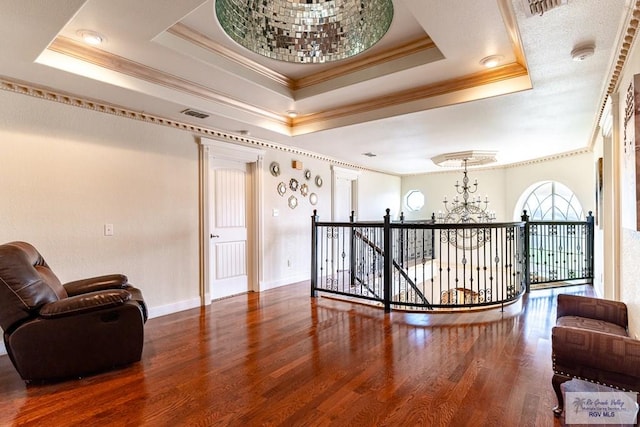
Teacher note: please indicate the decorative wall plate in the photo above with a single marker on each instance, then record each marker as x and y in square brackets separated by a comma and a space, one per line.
[307, 174]
[304, 190]
[318, 180]
[293, 184]
[313, 198]
[293, 202]
[282, 189]
[274, 168]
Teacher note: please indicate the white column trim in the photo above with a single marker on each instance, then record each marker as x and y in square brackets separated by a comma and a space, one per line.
[217, 149]
[351, 175]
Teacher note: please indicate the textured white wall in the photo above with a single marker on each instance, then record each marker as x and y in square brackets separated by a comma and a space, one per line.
[376, 193]
[287, 236]
[504, 186]
[630, 239]
[67, 171]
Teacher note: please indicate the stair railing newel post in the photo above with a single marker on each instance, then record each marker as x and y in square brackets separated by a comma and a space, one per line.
[401, 242]
[525, 252]
[352, 247]
[387, 261]
[590, 243]
[314, 253]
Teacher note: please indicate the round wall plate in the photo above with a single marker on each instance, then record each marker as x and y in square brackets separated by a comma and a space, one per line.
[293, 184]
[274, 169]
[307, 174]
[313, 198]
[304, 190]
[318, 180]
[282, 189]
[293, 202]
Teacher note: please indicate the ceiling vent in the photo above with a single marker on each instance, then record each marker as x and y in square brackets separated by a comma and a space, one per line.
[540, 7]
[195, 113]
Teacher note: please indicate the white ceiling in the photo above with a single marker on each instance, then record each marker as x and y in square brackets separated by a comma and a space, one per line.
[419, 93]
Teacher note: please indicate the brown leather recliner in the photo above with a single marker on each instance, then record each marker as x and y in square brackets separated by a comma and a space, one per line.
[54, 331]
[590, 342]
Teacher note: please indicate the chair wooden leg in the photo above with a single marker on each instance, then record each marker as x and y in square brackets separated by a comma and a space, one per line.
[556, 381]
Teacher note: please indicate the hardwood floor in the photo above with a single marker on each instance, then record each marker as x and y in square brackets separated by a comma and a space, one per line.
[283, 358]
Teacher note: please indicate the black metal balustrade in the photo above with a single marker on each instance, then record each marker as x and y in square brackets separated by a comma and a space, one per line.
[559, 251]
[445, 266]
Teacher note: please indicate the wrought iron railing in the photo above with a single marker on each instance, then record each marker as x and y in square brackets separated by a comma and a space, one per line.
[432, 266]
[559, 251]
[445, 266]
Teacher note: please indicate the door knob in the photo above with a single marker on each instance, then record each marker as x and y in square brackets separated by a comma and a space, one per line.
[214, 236]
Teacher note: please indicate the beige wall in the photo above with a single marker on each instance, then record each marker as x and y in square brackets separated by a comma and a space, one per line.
[66, 171]
[504, 186]
[630, 239]
[287, 235]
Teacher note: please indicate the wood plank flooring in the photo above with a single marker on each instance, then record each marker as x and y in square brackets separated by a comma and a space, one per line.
[283, 358]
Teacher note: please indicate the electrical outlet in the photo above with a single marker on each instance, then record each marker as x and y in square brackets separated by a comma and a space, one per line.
[108, 229]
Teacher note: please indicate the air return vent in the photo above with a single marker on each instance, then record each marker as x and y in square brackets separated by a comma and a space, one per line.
[195, 113]
[540, 7]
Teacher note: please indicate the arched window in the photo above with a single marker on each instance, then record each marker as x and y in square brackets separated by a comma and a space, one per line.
[550, 201]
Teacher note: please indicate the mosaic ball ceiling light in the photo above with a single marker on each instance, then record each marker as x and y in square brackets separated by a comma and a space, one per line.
[305, 31]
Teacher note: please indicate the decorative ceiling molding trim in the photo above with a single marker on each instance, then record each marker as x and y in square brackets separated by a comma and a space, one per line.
[493, 75]
[624, 47]
[511, 24]
[550, 158]
[363, 62]
[104, 59]
[359, 63]
[44, 93]
[197, 38]
[110, 61]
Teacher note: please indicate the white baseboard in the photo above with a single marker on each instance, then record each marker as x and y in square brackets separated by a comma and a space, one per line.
[153, 312]
[285, 281]
[175, 307]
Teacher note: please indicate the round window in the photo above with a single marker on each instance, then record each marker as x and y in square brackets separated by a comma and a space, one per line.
[414, 200]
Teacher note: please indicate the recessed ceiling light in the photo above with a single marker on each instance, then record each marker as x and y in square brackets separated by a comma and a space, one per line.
[491, 61]
[91, 37]
[292, 113]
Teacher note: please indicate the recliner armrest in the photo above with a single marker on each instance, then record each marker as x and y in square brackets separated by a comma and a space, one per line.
[91, 301]
[593, 308]
[99, 283]
[597, 350]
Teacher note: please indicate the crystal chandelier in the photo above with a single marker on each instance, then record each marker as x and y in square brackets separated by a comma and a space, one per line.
[305, 31]
[470, 208]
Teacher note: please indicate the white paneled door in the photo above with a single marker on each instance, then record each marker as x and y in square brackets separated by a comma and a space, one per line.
[228, 227]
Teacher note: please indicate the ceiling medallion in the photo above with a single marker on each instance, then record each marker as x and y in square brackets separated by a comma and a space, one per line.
[305, 31]
[465, 158]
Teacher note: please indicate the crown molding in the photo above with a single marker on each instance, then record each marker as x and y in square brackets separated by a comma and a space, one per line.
[48, 94]
[110, 61]
[494, 75]
[340, 69]
[625, 43]
[197, 38]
